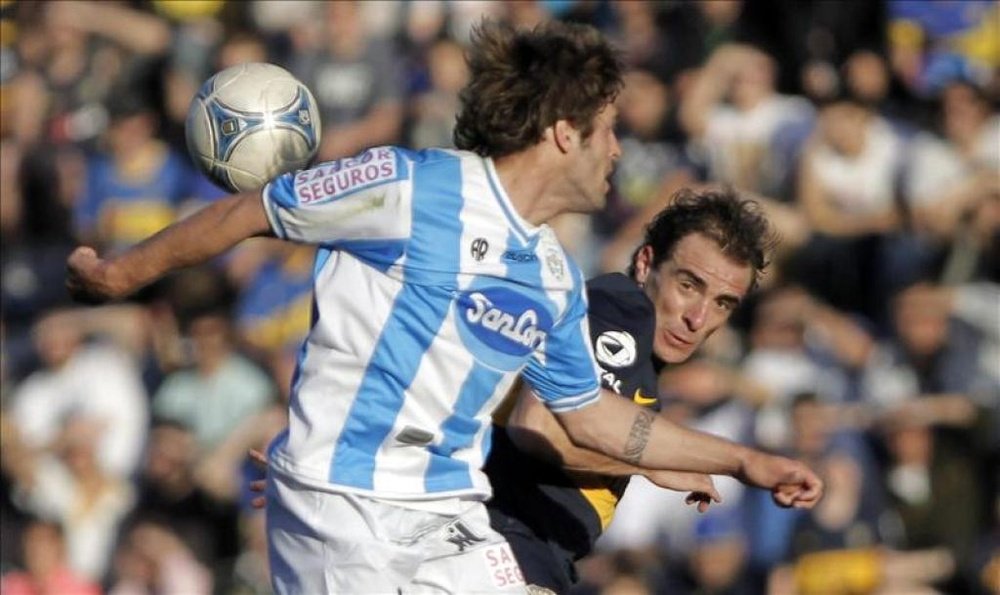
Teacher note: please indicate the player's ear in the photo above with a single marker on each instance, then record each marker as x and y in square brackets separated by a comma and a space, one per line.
[643, 264]
[563, 134]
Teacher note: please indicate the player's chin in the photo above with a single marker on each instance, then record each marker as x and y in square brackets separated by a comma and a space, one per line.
[599, 199]
[672, 354]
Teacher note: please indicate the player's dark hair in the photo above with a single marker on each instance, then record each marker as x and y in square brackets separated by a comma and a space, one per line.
[736, 224]
[523, 81]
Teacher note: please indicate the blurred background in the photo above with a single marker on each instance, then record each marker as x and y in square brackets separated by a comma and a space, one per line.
[868, 130]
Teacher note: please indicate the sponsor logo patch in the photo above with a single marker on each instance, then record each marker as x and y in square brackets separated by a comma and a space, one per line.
[462, 536]
[501, 326]
[640, 399]
[518, 256]
[335, 179]
[502, 566]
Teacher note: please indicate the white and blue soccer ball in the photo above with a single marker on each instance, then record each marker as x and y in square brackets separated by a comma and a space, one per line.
[251, 122]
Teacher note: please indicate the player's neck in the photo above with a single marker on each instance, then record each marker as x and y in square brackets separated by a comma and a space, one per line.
[533, 185]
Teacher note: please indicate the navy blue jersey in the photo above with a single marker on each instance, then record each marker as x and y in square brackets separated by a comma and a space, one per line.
[537, 504]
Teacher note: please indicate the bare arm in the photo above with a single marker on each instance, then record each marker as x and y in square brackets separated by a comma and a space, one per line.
[536, 431]
[943, 216]
[138, 31]
[639, 437]
[710, 86]
[208, 233]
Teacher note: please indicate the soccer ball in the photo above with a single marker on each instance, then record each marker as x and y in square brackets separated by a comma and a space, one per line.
[250, 123]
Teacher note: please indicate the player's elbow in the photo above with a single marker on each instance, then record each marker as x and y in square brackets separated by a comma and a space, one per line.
[584, 428]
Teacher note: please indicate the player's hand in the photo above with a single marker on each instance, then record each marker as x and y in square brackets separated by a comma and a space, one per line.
[259, 486]
[88, 277]
[701, 487]
[792, 483]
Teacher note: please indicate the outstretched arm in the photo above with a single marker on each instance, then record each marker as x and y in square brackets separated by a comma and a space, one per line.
[638, 436]
[536, 431]
[206, 234]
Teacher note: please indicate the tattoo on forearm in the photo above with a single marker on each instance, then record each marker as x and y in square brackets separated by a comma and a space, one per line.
[638, 436]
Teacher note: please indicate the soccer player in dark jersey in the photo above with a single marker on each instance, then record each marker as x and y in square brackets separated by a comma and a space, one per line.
[699, 258]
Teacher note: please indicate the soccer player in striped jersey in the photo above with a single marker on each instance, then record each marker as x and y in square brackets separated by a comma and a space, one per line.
[436, 284]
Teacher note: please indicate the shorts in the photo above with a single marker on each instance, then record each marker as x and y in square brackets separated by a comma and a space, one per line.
[325, 542]
[545, 566]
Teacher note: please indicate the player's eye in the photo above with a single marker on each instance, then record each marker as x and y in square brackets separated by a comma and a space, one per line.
[725, 305]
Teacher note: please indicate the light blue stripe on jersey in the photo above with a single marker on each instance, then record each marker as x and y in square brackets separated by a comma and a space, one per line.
[417, 315]
[445, 473]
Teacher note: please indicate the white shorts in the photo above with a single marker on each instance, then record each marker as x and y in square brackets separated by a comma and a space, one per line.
[323, 542]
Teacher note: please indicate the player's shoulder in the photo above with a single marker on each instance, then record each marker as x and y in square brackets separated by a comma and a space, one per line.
[431, 155]
[616, 302]
[615, 293]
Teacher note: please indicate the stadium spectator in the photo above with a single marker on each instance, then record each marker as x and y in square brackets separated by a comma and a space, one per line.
[80, 377]
[138, 185]
[436, 107]
[799, 345]
[221, 387]
[847, 191]
[950, 185]
[170, 491]
[735, 113]
[653, 166]
[152, 559]
[273, 309]
[357, 83]
[34, 236]
[66, 484]
[716, 562]
[933, 42]
[45, 565]
[72, 55]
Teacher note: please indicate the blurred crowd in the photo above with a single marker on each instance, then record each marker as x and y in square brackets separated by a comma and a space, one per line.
[868, 130]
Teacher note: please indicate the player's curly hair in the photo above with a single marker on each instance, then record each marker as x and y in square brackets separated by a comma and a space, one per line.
[523, 81]
[738, 225]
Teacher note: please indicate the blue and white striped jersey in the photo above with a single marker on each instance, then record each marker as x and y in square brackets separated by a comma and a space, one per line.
[430, 295]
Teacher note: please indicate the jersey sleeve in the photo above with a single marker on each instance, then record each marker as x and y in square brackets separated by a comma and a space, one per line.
[364, 198]
[562, 372]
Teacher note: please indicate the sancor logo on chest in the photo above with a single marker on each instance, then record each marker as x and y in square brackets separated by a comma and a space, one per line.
[501, 323]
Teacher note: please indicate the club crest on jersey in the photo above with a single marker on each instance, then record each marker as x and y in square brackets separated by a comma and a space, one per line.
[501, 326]
[479, 248]
[554, 260]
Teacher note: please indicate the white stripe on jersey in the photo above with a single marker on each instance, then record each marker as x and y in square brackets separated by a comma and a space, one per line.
[431, 295]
